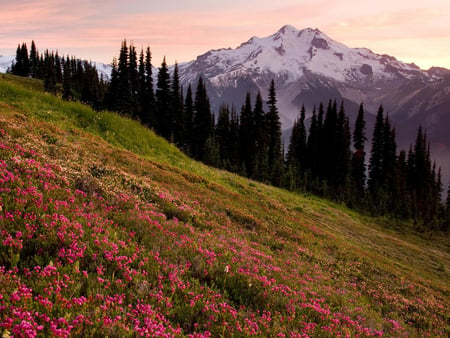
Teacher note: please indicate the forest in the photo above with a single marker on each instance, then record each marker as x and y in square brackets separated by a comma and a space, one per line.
[327, 157]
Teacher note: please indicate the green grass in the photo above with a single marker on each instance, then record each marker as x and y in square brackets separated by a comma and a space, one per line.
[358, 266]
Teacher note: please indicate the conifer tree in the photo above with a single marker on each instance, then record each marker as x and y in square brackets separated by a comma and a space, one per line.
[260, 161]
[34, 60]
[235, 161]
[446, 222]
[312, 146]
[148, 104]
[163, 101]
[188, 122]
[67, 80]
[202, 119]
[177, 132]
[358, 166]
[246, 136]
[275, 156]
[119, 93]
[343, 154]
[50, 73]
[376, 154]
[58, 68]
[296, 159]
[134, 84]
[223, 136]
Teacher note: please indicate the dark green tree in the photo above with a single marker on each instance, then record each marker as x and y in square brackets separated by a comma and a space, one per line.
[134, 83]
[246, 136]
[67, 80]
[34, 60]
[188, 144]
[376, 154]
[163, 101]
[148, 104]
[261, 142]
[50, 73]
[202, 119]
[177, 111]
[223, 136]
[275, 155]
[358, 166]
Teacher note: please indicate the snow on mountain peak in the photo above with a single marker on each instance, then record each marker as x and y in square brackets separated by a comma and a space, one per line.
[290, 53]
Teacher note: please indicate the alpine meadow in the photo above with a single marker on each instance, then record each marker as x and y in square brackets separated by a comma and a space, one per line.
[135, 205]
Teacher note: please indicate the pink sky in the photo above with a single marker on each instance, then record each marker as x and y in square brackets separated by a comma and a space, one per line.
[413, 31]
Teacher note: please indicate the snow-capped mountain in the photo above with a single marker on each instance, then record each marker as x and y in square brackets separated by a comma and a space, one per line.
[309, 67]
[5, 63]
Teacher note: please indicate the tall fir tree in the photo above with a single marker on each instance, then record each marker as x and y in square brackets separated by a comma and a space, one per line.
[343, 155]
[246, 136]
[177, 132]
[34, 60]
[202, 119]
[358, 166]
[296, 157]
[67, 80]
[148, 104]
[260, 161]
[188, 144]
[163, 101]
[50, 73]
[223, 136]
[275, 155]
[135, 89]
[376, 155]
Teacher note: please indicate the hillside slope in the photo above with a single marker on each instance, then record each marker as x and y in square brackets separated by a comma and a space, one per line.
[107, 230]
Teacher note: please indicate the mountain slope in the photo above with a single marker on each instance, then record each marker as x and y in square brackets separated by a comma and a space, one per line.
[309, 67]
[99, 240]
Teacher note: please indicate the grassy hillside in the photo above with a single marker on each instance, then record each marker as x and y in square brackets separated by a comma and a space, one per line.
[108, 230]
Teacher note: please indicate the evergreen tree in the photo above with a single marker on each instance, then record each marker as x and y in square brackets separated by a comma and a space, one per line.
[235, 162]
[58, 68]
[246, 136]
[177, 132]
[211, 152]
[275, 156]
[21, 67]
[358, 166]
[343, 154]
[67, 80]
[202, 120]
[134, 83]
[446, 222]
[163, 101]
[389, 157]
[260, 161]
[50, 73]
[188, 122]
[148, 104]
[312, 146]
[296, 161]
[119, 93]
[34, 60]
[376, 155]
[223, 136]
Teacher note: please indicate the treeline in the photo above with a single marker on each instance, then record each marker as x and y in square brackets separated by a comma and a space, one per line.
[325, 159]
[71, 77]
[329, 161]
